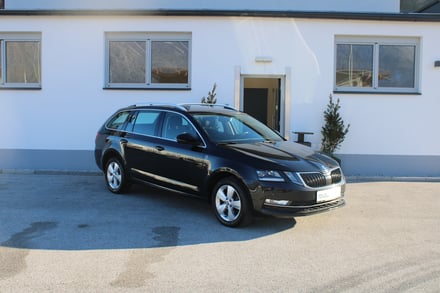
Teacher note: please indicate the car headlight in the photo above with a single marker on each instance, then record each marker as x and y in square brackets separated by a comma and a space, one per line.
[294, 177]
[269, 175]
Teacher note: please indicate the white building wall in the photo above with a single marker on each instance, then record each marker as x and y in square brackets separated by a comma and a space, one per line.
[390, 6]
[72, 104]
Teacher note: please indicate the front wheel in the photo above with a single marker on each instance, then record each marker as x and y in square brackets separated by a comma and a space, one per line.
[230, 203]
[115, 178]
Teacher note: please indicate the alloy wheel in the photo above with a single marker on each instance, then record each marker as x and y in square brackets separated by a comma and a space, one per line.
[228, 203]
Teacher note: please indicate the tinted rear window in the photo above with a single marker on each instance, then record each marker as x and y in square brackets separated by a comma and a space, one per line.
[117, 122]
[146, 122]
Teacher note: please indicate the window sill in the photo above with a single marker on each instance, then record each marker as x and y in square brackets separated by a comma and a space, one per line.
[19, 88]
[148, 88]
[376, 92]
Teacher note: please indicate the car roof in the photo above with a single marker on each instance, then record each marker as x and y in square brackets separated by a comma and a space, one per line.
[187, 107]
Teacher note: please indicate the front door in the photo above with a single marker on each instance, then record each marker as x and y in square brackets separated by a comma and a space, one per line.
[255, 103]
[180, 166]
[261, 99]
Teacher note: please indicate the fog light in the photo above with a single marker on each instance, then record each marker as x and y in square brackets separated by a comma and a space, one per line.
[277, 202]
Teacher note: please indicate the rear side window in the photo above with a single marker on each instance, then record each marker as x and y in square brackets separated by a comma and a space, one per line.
[146, 122]
[118, 121]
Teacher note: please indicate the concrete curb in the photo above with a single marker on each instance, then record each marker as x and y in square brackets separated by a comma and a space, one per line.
[359, 179]
[51, 172]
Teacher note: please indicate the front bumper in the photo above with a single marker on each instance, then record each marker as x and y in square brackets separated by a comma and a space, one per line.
[297, 211]
[302, 200]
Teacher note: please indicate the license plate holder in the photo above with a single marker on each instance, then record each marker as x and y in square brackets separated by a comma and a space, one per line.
[328, 194]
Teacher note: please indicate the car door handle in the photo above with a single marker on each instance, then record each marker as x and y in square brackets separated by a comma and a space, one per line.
[159, 148]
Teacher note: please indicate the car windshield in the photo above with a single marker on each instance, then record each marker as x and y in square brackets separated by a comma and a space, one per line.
[237, 128]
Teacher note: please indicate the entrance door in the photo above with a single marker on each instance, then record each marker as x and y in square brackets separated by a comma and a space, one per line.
[261, 99]
[255, 103]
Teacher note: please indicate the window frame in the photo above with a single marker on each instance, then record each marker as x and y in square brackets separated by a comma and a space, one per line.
[6, 37]
[376, 43]
[148, 38]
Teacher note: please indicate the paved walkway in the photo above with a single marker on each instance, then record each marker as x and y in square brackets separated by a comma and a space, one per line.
[67, 233]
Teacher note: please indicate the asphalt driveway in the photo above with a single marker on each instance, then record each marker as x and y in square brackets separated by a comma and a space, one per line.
[68, 233]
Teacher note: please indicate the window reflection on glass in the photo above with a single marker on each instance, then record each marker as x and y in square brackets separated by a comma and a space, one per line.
[127, 61]
[396, 66]
[169, 62]
[23, 62]
[354, 65]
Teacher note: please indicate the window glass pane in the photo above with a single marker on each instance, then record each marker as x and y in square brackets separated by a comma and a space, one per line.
[118, 121]
[235, 129]
[397, 66]
[23, 62]
[354, 65]
[176, 124]
[146, 122]
[127, 62]
[169, 61]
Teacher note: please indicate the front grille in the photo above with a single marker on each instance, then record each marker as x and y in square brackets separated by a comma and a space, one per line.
[317, 179]
[336, 175]
[314, 179]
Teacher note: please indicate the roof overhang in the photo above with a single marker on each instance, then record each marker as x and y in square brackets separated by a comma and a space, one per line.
[423, 17]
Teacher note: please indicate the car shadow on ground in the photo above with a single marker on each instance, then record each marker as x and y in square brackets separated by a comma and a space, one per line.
[78, 213]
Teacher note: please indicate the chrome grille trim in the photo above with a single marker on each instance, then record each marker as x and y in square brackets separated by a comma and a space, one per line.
[314, 180]
[318, 179]
[336, 175]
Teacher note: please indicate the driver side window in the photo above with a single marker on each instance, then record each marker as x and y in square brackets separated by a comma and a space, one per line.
[175, 124]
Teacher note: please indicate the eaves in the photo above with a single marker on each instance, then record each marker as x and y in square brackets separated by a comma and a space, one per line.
[422, 17]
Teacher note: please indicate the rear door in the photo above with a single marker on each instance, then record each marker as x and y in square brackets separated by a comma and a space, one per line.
[140, 144]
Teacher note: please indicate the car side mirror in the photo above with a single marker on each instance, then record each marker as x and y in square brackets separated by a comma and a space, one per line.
[186, 138]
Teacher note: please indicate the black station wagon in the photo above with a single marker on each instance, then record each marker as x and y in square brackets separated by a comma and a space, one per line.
[216, 152]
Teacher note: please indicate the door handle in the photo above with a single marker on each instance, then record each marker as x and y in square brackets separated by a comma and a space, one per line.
[159, 148]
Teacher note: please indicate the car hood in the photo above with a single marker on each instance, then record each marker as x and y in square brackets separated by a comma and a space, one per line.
[290, 155]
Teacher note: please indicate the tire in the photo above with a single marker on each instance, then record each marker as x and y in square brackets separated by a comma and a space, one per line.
[115, 177]
[230, 202]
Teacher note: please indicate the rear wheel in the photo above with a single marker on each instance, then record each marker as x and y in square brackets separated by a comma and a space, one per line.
[115, 177]
[230, 203]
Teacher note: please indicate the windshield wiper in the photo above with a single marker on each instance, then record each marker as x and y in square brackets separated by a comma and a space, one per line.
[270, 141]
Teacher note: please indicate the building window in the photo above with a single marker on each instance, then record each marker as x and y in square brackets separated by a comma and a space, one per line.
[148, 60]
[20, 60]
[2, 4]
[377, 64]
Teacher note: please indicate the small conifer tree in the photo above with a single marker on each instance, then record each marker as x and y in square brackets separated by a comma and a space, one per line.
[211, 99]
[334, 131]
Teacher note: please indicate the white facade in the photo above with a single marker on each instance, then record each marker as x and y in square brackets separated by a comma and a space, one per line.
[390, 134]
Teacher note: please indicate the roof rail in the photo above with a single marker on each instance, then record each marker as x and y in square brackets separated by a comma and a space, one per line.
[182, 106]
[158, 104]
[224, 106]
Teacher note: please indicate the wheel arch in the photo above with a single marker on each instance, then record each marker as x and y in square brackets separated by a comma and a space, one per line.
[111, 153]
[221, 174]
